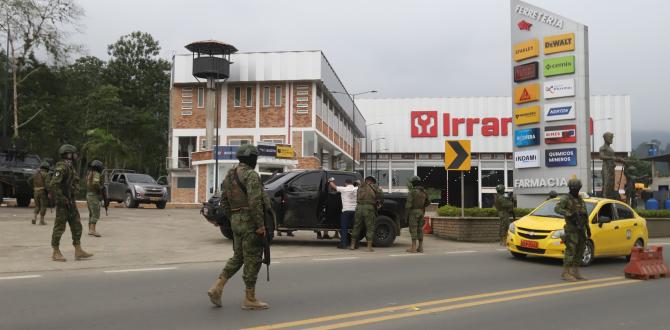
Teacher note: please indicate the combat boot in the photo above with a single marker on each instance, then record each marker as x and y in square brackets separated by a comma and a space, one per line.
[92, 231]
[567, 276]
[250, 301]
[576, 274]
[57, 256]
[369, 249]
[413, 248]
[420, 248]
[79, 253]
[42, 222]
[216, 291]
[352, 246]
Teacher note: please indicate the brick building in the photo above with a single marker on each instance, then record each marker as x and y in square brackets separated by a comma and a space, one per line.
[293, 101]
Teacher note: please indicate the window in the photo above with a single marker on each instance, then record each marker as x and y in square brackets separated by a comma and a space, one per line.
[186, 147]
[510, 178]
[277, 96]
[273, 141]
[238, 142]
[238, 96]
[201, 97]
[623, 212]
[307, 182]
[187, 92]
[249, 97]
[605, 213]
[266, 96]
[187, 182]
[492, 178]
[400, 178]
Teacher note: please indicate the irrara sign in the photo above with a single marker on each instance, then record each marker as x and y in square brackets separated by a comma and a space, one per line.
[424, 124]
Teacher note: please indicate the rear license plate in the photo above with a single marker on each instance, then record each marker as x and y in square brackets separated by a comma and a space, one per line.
[154, 199]
[529, 244]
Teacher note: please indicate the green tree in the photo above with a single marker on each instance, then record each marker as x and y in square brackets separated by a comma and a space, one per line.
[30, 27]
[105, 147]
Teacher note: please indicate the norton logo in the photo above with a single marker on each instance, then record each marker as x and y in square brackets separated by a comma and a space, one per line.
[523, 25]
[424, 123]
[525, 96]
[559, 111]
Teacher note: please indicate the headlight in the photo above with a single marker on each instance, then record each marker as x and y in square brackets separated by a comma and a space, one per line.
[512, 228]
[558, 233]
[139, 189]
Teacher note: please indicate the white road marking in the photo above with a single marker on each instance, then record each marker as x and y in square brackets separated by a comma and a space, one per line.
[19, 277]
[501, 249]
[405, 254]
[139, 270]
[459, 252]
[330, 259]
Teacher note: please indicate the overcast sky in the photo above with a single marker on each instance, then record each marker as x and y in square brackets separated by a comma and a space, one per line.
[410, 48]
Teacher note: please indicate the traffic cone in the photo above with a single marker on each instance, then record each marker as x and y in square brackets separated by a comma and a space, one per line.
[427, 229]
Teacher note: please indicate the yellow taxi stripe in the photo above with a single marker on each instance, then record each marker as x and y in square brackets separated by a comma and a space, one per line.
[466, 305]
[421, 304]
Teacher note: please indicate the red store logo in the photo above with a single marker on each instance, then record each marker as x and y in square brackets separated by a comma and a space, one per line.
[424, 123]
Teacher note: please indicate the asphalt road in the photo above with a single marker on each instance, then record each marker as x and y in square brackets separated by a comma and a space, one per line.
[484, 289]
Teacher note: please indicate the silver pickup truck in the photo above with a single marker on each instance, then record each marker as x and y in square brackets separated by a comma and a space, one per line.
[133, 189]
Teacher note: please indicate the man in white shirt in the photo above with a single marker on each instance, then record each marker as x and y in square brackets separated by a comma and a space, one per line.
[348, 194]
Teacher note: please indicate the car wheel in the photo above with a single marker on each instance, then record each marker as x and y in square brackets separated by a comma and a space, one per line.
[22, 201]
[385, 234]
[518, 255]
[588, 257]
[638, 243]
[129, 202]
[161, 205]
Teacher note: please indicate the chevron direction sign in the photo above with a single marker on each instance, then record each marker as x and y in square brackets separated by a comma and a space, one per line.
[457, 155]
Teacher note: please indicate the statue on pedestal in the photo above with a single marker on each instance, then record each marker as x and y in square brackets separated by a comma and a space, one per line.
[609, 160]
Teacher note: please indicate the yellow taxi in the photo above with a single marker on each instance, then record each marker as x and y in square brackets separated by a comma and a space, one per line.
[615, 229]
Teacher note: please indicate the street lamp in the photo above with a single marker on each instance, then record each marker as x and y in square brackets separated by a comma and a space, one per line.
[353, 119]
[593, 161]
[367, 151]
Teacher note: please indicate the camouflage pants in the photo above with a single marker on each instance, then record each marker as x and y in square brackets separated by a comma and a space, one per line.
[575, 244]
[504, 224]
[247, 250]
[93, 202]
[41, 202]
[416, 222]
[66, 214]
[365, 216]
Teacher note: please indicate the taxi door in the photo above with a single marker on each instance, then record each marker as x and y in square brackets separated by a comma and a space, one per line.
[629, 227]
[605, 230]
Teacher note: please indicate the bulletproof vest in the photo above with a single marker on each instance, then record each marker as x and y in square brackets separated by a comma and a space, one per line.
[366, 194]
[234, 193]
[38, 180]
[419, 200]
[89, 182]
[67, 181]
[578, 209]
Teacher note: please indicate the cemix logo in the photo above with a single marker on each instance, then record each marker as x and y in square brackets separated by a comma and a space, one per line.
[523, 25]
[424, 123]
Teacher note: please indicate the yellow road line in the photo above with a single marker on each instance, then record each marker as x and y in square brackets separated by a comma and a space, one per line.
[422, 304]
[466, 305]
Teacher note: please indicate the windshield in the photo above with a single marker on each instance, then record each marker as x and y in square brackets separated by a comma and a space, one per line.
[140, 178]
[8, 160]
[547, 209]
[277, 180]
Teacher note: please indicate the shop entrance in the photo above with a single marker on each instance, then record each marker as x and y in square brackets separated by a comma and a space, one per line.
[445, 188]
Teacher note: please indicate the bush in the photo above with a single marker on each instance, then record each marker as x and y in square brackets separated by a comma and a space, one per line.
[453, 211]
[654, 213]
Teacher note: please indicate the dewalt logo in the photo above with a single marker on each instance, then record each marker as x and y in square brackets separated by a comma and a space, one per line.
[559, 43]
[526, 49]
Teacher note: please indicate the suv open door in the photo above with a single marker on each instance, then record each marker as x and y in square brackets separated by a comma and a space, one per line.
[303, 206]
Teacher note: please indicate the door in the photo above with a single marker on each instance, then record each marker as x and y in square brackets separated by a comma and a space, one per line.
[113, 187]
[629, 227]
[334, 200]
[302, 204]
[605, 233]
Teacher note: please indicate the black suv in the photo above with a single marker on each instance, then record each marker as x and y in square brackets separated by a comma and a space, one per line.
[133, 188]
[302, 200]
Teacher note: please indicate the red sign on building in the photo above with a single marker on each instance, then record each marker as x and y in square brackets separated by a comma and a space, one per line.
[424, 123]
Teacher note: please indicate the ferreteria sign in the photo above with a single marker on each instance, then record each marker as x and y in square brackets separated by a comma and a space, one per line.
[550, 109]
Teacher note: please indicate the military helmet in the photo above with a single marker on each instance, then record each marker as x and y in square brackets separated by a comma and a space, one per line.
[415, 179]
[574, 184]
[553, 194]
[67, 148]
[500, 188]
[45, 165]
[371, 178]
[246, 150]
[97, 164]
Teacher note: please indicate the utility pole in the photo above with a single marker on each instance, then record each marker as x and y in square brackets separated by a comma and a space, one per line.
[5, 98]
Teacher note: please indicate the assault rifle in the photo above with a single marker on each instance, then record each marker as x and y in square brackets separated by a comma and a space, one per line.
[105, 201]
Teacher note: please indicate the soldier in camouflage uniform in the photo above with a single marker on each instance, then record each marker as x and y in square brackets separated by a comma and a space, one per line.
[94, 195]
[417, 201]
[39, 181]
[63, 186]
[368, 198]
[577, 231]
[552, 194]
[505, 206]
[242, 202]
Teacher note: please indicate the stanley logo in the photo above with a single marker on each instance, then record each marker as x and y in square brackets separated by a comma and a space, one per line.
[526, 93]
[526, 49]
[559, 43]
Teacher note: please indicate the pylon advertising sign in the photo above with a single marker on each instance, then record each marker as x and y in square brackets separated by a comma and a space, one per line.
[561, 90]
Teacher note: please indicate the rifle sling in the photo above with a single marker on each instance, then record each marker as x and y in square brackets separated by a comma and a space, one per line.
[239, 182]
